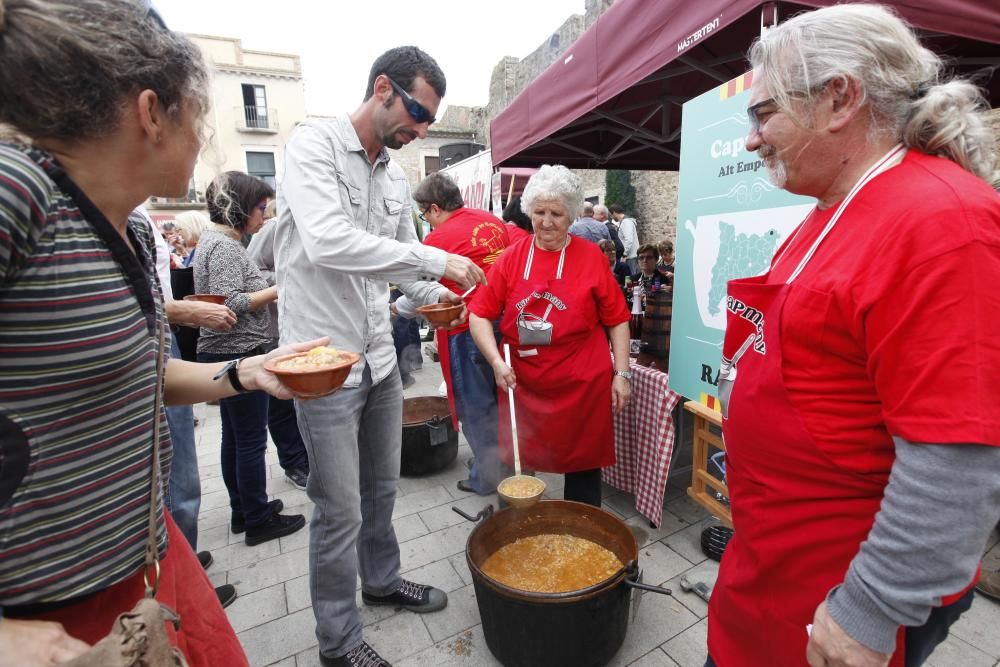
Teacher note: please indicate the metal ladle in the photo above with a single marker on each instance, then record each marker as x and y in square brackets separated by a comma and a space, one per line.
[517, 501]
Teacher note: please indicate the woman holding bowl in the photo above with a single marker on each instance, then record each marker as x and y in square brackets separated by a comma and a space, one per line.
[107, 107]
[236, 204]
[559, 306]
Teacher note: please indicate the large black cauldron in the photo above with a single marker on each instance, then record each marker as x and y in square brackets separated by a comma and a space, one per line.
[582, 628]
[430, 443]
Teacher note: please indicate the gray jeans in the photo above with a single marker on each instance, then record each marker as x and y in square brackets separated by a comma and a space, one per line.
[353, 439]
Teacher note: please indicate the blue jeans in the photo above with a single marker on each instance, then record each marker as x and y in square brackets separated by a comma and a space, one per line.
[353, 438]
[476, 401]
[183, 489]
[244, 441]
[284, 429]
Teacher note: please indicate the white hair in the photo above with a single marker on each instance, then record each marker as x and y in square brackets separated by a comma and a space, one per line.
[554, 182]
[601, 208]
[901, 81]
[192, 224]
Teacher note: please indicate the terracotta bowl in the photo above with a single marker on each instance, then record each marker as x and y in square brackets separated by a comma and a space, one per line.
[440, 314]
[313, 382]
[210, 298]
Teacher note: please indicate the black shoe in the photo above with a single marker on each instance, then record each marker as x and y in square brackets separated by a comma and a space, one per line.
[463, 485]
[226, 593]
[277, 526]
[415, 597]
[362, 656]
[205, 558]
[238, 524]
[298, 477]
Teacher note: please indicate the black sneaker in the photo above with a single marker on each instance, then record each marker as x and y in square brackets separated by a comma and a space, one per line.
[415, 597]
[362, 656]
[277, 526]
[205, 558]
[298, 477]
[238, 524]
[226, 593]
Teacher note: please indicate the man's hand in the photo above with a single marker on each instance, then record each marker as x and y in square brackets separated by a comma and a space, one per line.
[830, 646]
[449, 297]
[36, 644]
[463, 271]
[253, 367]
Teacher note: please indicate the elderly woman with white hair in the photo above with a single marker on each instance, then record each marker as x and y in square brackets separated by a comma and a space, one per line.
[559, 306]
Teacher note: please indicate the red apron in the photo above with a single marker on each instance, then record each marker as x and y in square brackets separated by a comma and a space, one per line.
[563, 393]
[444, 358]
[799, 518]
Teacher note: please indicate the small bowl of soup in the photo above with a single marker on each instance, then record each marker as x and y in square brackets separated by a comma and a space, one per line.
[208, 298]
[521, 490]
[441, 314]
[318, 372]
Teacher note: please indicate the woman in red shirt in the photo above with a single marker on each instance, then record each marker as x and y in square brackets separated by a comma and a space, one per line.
[558, 330]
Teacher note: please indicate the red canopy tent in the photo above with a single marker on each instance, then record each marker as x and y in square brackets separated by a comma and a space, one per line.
[613, 99]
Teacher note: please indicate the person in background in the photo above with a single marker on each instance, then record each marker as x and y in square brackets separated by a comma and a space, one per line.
[585, 227]
[172, 235]
[482, 237]
[628, 232]
[648, 275]
[619, 269]
[191, 225]
[236, 203]
[518, 223]
[602, 215]
[859, 404]
[557, 328]
[112, 105]
[282, 423]
[182, 488]
[327, 246]
[666, 263]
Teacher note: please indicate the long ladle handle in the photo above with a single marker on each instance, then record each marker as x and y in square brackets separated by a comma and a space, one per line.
[513, 420]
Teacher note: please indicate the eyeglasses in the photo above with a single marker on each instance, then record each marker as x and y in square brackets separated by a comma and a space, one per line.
[417, 111]
[262, 206]
[423, 214]
[753, 113]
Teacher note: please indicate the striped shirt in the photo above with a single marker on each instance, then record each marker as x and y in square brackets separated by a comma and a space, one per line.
[78, 317]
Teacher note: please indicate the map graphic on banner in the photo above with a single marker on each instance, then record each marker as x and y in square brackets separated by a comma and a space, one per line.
[731, 220]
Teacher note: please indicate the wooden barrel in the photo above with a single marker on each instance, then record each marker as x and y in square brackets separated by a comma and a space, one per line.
[656, 323]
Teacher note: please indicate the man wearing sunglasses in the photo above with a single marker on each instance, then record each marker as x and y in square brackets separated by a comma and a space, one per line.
[344, 232]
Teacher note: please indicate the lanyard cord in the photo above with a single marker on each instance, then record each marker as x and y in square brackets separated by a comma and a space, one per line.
[884, 163]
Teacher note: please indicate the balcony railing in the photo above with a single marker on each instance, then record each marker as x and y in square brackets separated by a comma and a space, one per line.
[256, 119]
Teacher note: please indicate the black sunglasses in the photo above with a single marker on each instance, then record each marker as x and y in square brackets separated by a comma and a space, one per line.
[416, 110]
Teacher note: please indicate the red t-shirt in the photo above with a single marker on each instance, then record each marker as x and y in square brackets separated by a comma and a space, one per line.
[473, 233]
[893, 327]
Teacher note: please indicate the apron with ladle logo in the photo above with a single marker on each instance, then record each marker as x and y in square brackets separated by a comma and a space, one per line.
[560, 355]
[799, 517]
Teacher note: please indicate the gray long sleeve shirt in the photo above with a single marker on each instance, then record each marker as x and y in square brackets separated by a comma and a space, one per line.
[344, 232]
[941, 503]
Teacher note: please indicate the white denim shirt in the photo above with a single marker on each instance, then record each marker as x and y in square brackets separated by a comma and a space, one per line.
[344, 231]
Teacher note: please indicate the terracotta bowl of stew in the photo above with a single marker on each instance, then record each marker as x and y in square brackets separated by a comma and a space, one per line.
[209, 298]
[440, 314]
[312, 380]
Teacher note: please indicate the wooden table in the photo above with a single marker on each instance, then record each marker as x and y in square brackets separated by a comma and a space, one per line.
[703, 483]
[644, 441]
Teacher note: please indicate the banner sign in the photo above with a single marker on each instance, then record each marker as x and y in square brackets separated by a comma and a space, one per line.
[474, 176]
[730, 221]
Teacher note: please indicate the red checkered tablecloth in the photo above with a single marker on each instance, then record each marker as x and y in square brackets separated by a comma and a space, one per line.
[644, 442]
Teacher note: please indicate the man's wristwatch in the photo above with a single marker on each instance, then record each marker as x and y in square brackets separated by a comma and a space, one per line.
[624, 374]
[232, 371]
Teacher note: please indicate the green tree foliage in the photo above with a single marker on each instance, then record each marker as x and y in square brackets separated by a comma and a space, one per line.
[618, 185]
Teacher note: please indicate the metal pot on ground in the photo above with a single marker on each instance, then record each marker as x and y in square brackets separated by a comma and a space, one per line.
[583, 628]
[430, 442]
